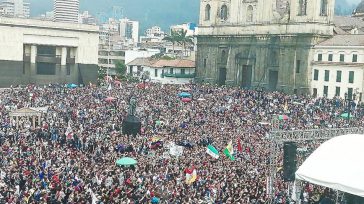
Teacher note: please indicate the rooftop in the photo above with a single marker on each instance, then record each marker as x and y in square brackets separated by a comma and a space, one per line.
[182, 63]
[348, 21]
[36, 23]
[176, 63]
[344, 40]
[141, 61]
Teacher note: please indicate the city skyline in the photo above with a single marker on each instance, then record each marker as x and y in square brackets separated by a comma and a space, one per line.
[155, 12]
[150, 14]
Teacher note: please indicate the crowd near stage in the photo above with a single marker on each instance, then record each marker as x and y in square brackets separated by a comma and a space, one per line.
[126, 143]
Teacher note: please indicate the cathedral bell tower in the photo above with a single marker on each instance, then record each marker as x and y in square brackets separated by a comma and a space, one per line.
[312, 11]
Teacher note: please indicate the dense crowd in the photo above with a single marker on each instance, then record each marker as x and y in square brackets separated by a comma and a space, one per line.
[70, 157]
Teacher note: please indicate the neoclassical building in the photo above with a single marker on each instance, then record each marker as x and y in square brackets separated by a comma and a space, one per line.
[44, 52]
[252, 43]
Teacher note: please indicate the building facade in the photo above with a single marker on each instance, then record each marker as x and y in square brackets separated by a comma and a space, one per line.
[43, 52]
[108, 57]
[177, 71]
[338, 67]
[255, 43]
[129, 30]
[86, 18]
[189, 28]
[154, 31]
[66, 11]
[153, 34]
[15, 8]
[109, 31]
[132, 54]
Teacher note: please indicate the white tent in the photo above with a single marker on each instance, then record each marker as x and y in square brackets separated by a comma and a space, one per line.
[337, 164]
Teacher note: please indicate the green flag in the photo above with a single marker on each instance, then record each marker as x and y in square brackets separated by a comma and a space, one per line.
[229, 151]
[212, 151]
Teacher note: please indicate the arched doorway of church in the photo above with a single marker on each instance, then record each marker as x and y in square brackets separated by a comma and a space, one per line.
[222, 76]
[245, 70]
[273, 80]
[246, 74]
[222, 68]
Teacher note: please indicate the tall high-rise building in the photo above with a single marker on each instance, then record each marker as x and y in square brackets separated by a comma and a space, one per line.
[15, 8]
[86, 18]
[66, 10]
[129, 30]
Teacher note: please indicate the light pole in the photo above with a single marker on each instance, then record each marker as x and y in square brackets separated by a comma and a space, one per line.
[270, 99]
[349, 100]
[108, 55]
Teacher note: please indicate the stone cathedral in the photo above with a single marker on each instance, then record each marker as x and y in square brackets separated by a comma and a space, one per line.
[261, 43]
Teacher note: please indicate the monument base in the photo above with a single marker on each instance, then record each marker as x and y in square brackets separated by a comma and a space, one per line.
[131, 125]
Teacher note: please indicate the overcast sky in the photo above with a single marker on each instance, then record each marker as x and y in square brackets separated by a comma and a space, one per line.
[353, 1]
[148, 12]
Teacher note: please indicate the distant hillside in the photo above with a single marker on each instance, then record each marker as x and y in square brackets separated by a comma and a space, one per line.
[155, 12]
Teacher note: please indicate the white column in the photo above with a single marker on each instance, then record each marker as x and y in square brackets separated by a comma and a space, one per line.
[64, 56]
[33, 121]
[33, 53]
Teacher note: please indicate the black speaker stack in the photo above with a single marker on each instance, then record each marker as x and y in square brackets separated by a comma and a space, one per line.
[131, 125]
[289, 161]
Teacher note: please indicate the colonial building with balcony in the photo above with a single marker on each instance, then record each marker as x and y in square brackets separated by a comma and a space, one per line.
[177, 71]
[43, 52]
[338, 67]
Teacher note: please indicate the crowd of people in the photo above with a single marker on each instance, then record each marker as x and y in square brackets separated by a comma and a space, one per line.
[69, 157]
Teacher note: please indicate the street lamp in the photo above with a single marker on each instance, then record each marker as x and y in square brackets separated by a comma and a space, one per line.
[259, 90]
[349, 100]
[270, 99]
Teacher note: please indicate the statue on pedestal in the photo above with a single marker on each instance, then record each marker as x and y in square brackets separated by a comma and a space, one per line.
[132, 106]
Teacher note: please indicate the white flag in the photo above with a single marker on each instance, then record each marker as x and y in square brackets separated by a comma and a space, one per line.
[176, 150]
[294, 191]
[2, 174]
[109, 88]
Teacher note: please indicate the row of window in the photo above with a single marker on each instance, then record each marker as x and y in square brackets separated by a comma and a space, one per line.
[302, 10]
[337, 91]
[342, 57]
[338, 76]
[224, 13]
[183, 71]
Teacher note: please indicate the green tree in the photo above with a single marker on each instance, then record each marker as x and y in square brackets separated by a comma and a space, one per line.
[120, 68]
[173, 38]
[102, 73]
[184, 40]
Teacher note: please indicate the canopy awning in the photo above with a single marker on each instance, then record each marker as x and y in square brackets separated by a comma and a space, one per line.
[337, 164]
[25, 112]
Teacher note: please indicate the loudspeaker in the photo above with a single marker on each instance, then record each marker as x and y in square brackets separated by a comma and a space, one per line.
[289, 161]
[131, 125]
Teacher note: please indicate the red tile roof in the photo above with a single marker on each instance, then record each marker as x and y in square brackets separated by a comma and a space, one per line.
[140, 61]
[344, 40]
[177, 63]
